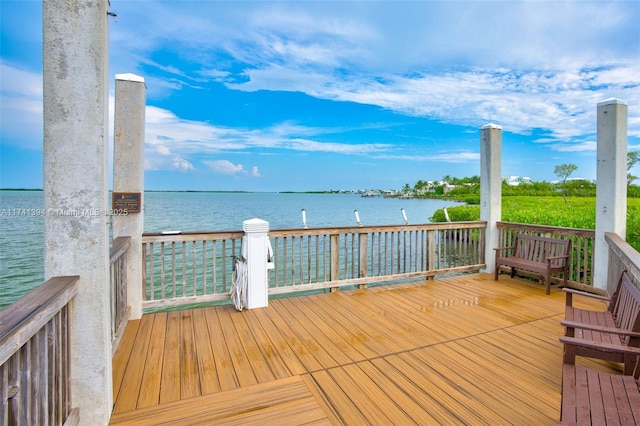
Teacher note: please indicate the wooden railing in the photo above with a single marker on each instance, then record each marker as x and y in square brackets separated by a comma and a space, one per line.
[581, 259]
[621, 257]
[35, 358]
[190, 267]
[118, 279]
[197, 267]
[310, 259]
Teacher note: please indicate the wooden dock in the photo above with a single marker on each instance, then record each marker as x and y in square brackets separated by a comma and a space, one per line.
[455, 350]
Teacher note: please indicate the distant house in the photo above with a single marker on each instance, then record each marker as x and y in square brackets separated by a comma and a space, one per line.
[517, 180]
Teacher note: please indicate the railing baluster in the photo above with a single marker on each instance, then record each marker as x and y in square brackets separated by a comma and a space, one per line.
[308, 238]
[144, 271]
[214, 268]
[173, 268]
[300, 261]
[152, 288]
[162, 271]
[224, 265]
[204, 267]
[276, 265]
[194, 266]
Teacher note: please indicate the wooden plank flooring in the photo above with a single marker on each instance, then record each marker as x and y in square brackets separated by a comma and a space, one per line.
[456, 350]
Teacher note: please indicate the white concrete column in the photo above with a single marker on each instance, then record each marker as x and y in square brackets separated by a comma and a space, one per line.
[491, 188]
[75, 98]
[128, 176]
[611, 183]
[255, 244]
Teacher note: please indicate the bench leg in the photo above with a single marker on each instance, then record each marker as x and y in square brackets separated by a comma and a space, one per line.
[630, 364]
[569, 354]
[547, 282]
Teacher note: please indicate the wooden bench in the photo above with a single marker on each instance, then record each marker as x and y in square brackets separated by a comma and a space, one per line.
[537, 254]
[619, 325]
[593, 397]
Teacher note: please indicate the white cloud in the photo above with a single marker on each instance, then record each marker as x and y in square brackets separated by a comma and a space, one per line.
[588, 146]
[20, 106]
[168, 134]
[525, 65]
[181, 164]
[225, 167]
[443, 157]
[255, 172]
[561, 101]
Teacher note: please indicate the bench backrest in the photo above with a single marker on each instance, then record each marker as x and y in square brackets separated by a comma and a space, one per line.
[537, 249]
[626, 307]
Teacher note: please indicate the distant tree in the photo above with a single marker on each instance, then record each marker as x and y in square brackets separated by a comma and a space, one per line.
[406, 188]
[563, 171]
[633, 157]
[474, 180]
[420, 185]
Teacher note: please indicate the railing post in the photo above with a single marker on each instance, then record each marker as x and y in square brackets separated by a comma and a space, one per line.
[128, 177]
[491, 188]
[431, 253]
[335, 258]
[611, 191]
[363, 241]
[254, 248]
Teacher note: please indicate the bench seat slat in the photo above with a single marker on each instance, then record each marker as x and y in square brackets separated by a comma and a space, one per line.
[631, 385]
[594, 397]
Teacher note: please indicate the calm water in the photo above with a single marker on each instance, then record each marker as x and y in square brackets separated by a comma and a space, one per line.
[22, 239]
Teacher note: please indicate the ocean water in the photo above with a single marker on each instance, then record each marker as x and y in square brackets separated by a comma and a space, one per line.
[22, 221]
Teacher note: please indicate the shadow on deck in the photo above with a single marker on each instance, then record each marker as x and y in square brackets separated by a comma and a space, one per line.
[453, 350]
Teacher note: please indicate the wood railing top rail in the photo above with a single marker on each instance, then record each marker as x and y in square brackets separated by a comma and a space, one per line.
[372, 228]
[158, 237]
[118, 247]
[629, 255]
[546, 228]
[207, 235]
[21, 320]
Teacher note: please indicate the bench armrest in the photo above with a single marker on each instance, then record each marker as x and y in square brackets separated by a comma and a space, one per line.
[605, 347]
[503, 248]
[564, 256]
[584, 293]
[599, 328]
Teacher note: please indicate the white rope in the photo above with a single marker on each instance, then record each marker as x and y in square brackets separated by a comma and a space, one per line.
[240, 284]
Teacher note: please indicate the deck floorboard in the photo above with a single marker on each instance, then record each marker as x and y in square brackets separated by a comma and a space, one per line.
[455, 350]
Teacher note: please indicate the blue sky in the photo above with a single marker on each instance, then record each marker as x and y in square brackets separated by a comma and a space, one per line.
[315, 95]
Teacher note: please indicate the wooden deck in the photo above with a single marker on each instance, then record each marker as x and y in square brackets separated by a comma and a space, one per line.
[457, 350]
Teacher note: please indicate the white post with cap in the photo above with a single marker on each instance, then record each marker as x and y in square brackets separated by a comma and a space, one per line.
[255, 249]
[128, 176]
[491, 188]
[611, 183]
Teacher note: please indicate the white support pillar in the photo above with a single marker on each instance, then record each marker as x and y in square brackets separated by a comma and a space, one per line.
[128, 177]
[75, 100]
[611, 183]
[255, 243]
[491, 188]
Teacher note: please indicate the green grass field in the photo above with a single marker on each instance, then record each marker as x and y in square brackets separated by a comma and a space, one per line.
[577, 212]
